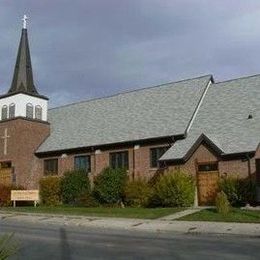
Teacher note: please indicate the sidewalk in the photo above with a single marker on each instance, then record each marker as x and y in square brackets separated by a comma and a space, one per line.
[159, 225]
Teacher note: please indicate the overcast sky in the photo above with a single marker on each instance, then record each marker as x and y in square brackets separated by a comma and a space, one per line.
[92, 48]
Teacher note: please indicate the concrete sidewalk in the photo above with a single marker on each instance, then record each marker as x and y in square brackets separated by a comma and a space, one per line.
[158, 225]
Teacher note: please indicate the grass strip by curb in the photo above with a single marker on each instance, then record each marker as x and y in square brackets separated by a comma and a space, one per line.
[235, 215]
[141, 213]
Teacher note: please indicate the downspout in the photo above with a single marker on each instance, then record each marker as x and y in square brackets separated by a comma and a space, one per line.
[133, 174]
[249, 166]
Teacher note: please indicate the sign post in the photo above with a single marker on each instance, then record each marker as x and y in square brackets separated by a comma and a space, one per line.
[25, 195]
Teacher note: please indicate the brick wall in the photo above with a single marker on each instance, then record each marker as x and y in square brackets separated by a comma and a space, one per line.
[203, 154]
[139, 162]
[25, 136]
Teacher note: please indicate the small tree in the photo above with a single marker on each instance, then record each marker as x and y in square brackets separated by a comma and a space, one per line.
[50, 190]
[74, 184]
[222, 203]
[176, 189]
[109, 185]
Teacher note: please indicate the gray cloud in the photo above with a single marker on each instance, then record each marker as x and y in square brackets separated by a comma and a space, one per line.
[83, 49]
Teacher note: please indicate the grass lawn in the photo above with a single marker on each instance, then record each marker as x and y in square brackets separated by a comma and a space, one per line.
[235, 215]
[144, 213]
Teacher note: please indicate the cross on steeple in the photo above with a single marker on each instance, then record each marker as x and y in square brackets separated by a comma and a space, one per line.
[25, 18]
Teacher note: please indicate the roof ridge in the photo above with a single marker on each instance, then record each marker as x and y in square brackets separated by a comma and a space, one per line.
[234, 79]
[130, 91]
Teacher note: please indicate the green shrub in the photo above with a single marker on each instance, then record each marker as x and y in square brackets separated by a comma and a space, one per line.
[50, 190]
[5, 194]
[222, 203]
[137, 193]
[176, 189]
[238, 191]
[109, 185]
[248, 191]
[74, 184]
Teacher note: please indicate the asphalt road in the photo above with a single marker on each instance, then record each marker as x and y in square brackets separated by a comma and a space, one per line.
[63, 242]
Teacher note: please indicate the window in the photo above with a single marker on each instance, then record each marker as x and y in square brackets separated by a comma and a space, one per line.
[119, 160]
[208, 167]
[155, 154]
[82, 163]
[38, 112]
[51, 167]
[4, 112]
[12, 110]
[29, 110]
[257, 164]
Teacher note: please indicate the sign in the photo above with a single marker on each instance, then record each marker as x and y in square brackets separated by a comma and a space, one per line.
[25, 195]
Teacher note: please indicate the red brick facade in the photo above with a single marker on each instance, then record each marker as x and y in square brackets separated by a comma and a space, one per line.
[225, 167]
[24, 137]
[139, 161]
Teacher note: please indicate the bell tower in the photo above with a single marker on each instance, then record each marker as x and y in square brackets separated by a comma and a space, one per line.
[23, 99]
[23, 122]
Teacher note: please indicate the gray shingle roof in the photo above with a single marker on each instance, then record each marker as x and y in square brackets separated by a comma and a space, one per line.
[223, 118]
[154, 112]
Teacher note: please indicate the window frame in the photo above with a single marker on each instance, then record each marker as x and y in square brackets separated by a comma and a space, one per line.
[88, 164]
[209, 164]
[116, 156]
[50, 173]
[158, 155]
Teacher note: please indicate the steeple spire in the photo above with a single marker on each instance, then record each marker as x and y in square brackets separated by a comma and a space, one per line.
[23, 75]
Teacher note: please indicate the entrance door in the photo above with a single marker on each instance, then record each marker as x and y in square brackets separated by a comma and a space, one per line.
[5, 173]
[207, 181]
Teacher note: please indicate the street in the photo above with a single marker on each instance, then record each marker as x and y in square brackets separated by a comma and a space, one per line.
[64, 242]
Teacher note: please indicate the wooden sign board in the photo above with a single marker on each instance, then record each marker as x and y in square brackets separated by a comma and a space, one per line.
[25, 195]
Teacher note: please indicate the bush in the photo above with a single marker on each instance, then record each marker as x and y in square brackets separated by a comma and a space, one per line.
[50, 190]
[176, 189]
[87, 200]
[109, 185]
[248, 191]
[5, 194]
[222, 203]
[137, 193]
[74, 184]
[238, 191]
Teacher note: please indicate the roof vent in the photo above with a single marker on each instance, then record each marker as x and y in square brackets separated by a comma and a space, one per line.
[250, 116]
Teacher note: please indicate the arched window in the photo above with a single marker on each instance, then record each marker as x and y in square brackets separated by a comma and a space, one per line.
[12, 110]
[38, 112]
[4, 112]
[29, 110]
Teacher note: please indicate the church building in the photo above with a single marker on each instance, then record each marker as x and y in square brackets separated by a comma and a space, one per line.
[206, 128]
